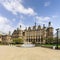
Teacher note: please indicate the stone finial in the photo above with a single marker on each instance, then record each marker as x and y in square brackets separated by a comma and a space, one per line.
[35, 23]
[49, 24]
[20, 26]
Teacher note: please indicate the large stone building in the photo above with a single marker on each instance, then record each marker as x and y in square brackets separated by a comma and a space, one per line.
[35, 34]
[0, 38]
[5, 38]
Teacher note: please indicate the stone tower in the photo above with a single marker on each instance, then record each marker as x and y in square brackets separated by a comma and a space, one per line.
[49, 33]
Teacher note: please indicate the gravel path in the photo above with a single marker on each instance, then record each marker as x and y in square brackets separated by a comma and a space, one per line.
[35, 53]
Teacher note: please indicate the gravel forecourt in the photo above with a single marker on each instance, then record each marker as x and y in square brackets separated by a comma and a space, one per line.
[34, 53]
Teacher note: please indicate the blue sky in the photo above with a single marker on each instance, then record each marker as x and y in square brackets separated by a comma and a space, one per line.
[14, 13]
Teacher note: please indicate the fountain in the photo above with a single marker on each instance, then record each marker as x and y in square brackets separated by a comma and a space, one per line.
[27, 44]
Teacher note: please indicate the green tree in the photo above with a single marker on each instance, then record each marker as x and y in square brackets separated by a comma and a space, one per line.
[49, 40]
[55, 40]
[17, 40]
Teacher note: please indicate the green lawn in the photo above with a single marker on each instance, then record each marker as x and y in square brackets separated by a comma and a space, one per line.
[47, 45]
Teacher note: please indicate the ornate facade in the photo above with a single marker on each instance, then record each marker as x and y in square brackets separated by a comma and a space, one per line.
[36, 34]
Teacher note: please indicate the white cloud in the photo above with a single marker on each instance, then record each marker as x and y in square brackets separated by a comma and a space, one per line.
[54, 16]
[42, 18]
[47, 4]
[15, 6]
[5, 25]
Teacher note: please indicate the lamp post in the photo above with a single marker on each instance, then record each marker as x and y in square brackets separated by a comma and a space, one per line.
[57, 38]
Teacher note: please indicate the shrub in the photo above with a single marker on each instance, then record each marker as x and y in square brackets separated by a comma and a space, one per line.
[17, 40]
